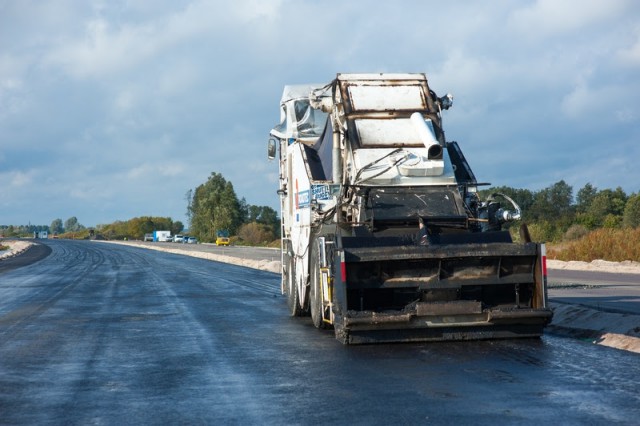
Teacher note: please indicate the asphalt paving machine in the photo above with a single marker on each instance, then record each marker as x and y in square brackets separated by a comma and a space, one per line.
[384, 235]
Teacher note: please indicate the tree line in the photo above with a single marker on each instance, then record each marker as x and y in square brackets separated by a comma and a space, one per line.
[211, 207]
[552, 213]
[56, 228]
[138, 226]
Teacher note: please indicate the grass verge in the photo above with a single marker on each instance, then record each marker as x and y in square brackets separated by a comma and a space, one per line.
[615, 245]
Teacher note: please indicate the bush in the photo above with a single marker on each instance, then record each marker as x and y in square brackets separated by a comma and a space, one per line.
[575, 232]
[78, 235]
[545, 231]
[255, 233]
[612, 221]
[275, 243]
[615, 245]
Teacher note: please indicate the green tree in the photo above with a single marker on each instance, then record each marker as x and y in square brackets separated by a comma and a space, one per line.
[189, 198]
[585, 197]
[214, 206]
[619, 201]
[56, 226]
[554, 203]
[265, 215]
[244, 210]
[72, 225]
[177, 227]
[607, 204]
[138, 226]
[631, 216]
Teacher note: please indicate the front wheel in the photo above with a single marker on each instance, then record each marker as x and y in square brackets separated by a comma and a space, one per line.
[315, 289]
[292, 290]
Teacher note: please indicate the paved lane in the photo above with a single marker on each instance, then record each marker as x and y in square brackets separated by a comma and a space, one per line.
[600, 290]
[109, 334]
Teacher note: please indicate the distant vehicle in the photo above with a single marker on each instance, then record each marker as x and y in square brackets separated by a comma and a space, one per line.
[222, 238]
[191, 240]
[178, 238]
[162, 236]
[148, 237]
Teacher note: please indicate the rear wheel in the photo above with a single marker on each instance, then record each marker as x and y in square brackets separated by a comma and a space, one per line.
[315, 289]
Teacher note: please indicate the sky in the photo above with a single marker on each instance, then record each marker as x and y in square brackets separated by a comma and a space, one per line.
[114, 109]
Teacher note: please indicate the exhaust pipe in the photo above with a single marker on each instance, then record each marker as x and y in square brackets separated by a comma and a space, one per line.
[434, 150]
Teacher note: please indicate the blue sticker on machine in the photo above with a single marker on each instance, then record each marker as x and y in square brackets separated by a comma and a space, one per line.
[304, 199]
[321, 192]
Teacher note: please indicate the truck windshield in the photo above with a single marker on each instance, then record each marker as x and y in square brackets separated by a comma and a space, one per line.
[310, 122]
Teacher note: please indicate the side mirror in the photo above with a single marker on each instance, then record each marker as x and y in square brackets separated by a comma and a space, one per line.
[271, 148]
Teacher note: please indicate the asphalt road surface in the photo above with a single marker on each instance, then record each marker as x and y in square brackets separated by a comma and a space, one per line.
[600, 290]
[108, 334]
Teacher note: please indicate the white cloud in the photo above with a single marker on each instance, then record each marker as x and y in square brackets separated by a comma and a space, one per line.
[579, 101]
[19, 179]
[250, 10]
[608, 102]
[546, 18]
[178, 79]
[84, 193]
[173, 169]
[104, 50]
[631, 55]
[124, 101]
[146, 171]
[12, 87]
[627, 115]
[143, 170]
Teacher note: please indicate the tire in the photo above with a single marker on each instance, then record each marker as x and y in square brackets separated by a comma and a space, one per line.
[315, 296]
[293, 301]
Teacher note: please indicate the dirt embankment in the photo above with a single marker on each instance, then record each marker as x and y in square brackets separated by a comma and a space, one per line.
[626, 267]
[616, 330]
[15, 247]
